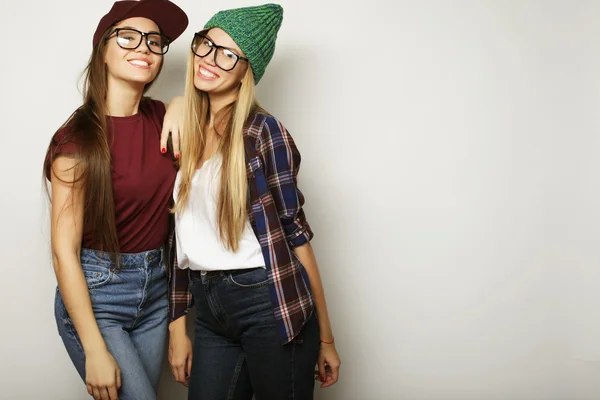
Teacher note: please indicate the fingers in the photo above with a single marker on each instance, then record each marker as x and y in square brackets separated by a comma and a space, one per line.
[322, 372]
[118, 379]
[178, 370]
[164, 138]
[175, 139]
[180, 375]
[104, 393]
[112, 393]
[333, 371]
[189, 369]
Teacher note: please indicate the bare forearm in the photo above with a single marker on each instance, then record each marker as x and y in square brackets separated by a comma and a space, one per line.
[67, 228]
[307, 257]
[178, 327]
[76, 297]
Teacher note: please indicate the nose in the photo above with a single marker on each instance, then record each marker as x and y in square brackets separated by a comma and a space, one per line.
[210, 58]
[143, 47]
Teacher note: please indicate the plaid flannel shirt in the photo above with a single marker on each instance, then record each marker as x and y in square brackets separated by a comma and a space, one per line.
[277, 218]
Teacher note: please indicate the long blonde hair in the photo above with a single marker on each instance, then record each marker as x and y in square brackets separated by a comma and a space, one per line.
[233, 196]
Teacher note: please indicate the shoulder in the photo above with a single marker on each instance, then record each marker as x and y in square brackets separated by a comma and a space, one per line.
[67, 138]
[65, 142]
[267, 128]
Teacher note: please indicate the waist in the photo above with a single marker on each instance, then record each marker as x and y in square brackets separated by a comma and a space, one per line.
[194, 273]
[149, 258]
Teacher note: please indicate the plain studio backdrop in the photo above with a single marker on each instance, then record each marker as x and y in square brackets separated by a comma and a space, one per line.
[451, 174]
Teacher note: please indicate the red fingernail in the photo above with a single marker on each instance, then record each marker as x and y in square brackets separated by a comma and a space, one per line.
[323, 380]
[176, 155]
[163, 150]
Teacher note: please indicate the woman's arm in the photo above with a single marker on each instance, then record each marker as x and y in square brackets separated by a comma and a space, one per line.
[180, 301]
[281, 160]
[180, 351]
[172, 126]
[329, 360]
[102, 372]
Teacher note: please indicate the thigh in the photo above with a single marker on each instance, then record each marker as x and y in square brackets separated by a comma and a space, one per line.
[284, 371]
[69, 336]
[149, 335]
[135, 384]
[134, 380]
[219, 369]
[277, 371]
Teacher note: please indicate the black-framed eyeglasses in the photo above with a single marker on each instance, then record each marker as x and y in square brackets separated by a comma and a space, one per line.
[225, 58]
[130, 39]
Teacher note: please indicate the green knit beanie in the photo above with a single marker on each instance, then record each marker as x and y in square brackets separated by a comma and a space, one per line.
[254, 30]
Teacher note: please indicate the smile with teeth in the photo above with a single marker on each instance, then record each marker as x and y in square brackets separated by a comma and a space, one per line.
[139, 63]
[206, 73]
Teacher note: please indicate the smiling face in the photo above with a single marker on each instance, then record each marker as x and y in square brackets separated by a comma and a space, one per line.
[208, 77]
[138, 65]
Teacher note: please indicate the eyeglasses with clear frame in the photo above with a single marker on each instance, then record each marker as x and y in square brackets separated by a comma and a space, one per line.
[224, 58]
[130, 39]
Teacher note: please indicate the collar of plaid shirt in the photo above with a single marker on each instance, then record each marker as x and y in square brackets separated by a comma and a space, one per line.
[277, 218]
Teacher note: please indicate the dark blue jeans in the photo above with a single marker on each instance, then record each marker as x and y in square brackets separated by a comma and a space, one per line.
[237, 349]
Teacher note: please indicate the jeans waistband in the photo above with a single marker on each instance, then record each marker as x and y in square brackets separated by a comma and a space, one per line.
[147, 258]
[217, 273]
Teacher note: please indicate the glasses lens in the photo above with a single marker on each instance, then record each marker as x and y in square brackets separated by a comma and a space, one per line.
[128, 39]
[201, 46]
[226, 59]
[158, 44]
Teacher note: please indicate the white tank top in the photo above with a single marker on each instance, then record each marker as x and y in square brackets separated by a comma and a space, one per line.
[199, 245]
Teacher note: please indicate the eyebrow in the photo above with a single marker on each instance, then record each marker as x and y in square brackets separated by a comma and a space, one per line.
[136, 29]
[225, 47]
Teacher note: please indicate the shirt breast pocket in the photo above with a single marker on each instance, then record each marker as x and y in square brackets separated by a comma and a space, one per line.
[256, 176]
[253, 166]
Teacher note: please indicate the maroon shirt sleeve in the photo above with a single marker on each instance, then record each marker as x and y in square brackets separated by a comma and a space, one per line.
[62, 143]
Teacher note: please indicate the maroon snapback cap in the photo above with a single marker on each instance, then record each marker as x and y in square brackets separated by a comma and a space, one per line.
[171, 19]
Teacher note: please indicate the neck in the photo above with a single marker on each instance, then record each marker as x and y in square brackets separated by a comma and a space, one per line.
[123, 98]
[218, 101]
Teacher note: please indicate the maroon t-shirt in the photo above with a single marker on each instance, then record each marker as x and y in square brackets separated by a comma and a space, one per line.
[142, 177]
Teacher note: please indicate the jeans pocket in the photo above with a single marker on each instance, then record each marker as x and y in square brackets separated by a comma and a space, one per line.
[253, 278]
[96, 275]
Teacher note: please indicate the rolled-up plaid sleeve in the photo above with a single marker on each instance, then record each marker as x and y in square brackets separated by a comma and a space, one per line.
[281, 160]
[180, 297]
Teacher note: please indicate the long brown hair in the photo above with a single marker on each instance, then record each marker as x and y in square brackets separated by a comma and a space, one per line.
[87, 128]
[232, 204]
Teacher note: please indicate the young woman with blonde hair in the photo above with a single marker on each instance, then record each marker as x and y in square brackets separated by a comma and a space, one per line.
[242, 238]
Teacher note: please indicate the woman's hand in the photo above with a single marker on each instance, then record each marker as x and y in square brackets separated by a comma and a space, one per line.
[173, 126]
[102, 375]
[329, 364]
[180, 352]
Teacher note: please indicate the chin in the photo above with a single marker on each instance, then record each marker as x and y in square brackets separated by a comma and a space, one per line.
[141, 79]
[205, 86]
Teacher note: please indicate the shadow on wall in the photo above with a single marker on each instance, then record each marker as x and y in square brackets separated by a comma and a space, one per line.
[283, 78]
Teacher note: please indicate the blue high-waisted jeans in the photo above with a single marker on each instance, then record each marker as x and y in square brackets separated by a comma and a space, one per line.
[131, 307]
